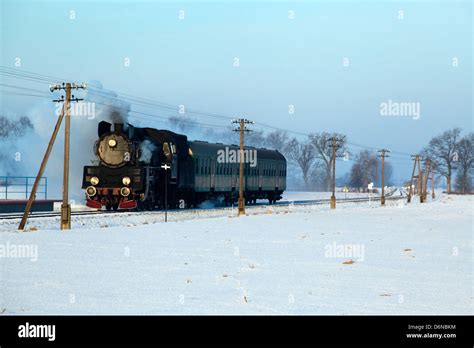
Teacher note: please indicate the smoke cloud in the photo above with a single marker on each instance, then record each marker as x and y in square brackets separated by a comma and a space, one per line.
[146, 151]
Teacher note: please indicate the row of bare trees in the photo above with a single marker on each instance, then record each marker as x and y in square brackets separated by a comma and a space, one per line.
[452, 153]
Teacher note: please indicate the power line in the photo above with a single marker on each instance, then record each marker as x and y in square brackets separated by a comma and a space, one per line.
[146, 102]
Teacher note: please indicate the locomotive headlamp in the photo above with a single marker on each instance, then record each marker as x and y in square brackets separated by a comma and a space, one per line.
[91, 191]
[125, 191]
[112, 142]
[94, 180]
[126, 180]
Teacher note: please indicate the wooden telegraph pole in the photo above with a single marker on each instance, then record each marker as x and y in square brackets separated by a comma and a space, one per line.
[40, 171]
[427, 173]
[432, 180]
[420, 179]
[416, 161]
[335, 144]
[242, 129]
[410, 189]
[383, 154]
[65, 207]
[430, 174]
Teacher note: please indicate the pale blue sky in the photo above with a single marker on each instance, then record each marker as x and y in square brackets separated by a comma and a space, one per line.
[282, 61]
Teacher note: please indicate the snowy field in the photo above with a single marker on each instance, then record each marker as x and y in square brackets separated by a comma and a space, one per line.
[357, 259]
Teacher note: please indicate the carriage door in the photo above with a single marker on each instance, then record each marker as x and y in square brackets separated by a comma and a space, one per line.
[260, 173]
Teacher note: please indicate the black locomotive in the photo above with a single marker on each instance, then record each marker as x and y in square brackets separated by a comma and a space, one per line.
[129, 174]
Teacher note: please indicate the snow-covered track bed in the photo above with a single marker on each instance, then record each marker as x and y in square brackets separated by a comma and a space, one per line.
[92, 219]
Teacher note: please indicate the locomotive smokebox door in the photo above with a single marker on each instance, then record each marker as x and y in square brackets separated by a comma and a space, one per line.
[174, 169]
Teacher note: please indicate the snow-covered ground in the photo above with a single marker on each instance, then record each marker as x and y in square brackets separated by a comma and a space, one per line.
[357, 259]
[305, 195]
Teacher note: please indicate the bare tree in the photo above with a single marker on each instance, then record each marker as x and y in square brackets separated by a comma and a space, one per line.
[366, 169]
[278, 140]
[442, 151]
[322, 144]
[4, 127]
[255, 138]
[318, 176]
[302, 153]
[465, 157]
[17, 127]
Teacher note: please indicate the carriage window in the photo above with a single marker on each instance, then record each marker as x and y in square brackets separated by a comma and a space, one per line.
[197, 166]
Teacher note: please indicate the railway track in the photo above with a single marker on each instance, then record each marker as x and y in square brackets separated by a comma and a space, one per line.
[36, 215]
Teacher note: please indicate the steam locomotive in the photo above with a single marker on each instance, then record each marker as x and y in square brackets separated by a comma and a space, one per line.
[129, 173]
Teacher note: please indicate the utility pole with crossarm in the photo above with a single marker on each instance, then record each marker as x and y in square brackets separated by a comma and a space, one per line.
[383, 154]
[335, 144]
[65, 112]
[242, 129]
